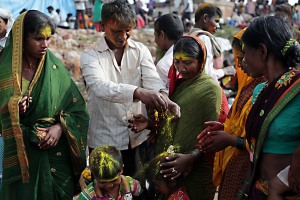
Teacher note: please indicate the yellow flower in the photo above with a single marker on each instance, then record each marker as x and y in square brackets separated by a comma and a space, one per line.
[86, 174]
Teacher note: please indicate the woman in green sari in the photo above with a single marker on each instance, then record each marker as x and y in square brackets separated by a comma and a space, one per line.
[43, 116]
[272, 127]
[199, 98]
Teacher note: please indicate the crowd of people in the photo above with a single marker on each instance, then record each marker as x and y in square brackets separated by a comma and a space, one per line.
[150, 131]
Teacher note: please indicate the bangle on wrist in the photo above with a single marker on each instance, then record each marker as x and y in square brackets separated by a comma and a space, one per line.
[242, 194]
[195, 153]
[240, 143]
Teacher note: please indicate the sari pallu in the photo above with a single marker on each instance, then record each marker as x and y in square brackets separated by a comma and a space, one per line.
[263, 114]
[200, 101]
[29, 172]
[230, 163]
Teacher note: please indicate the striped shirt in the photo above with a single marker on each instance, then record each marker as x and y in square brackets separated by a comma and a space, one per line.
[129, 187]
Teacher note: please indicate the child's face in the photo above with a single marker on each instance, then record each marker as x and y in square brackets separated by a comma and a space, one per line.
[110, 186]
[161, 187]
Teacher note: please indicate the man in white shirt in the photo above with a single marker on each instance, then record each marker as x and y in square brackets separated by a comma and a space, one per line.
[120, 75]
[53, 15]
[207, 18]
[168, 29]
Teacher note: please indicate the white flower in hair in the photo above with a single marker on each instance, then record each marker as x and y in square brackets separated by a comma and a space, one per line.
[171, 149]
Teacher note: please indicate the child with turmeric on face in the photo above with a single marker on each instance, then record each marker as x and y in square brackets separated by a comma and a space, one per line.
[106, 165]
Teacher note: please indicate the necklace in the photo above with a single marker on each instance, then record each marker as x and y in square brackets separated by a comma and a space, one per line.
[284, 80]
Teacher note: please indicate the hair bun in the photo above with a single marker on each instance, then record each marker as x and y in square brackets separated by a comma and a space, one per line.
[292, 55]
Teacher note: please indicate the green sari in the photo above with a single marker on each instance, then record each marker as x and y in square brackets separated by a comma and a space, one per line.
[200, 101]
[28, 171]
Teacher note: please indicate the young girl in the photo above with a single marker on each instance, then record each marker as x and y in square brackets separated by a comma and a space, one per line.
[106, 165]
[168, 188]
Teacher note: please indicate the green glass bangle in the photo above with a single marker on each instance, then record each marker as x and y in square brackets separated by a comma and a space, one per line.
[240, 143]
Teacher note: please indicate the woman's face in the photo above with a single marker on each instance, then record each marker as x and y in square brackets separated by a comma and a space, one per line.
[186, 65]
[2, 28]
[37, 45]
[242, 64]
[252, 62]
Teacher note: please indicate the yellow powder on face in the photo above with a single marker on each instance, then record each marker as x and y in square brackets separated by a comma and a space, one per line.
[182, 56]
[46, 31]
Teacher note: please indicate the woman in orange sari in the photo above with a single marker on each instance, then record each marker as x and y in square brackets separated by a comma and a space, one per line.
[228, 139]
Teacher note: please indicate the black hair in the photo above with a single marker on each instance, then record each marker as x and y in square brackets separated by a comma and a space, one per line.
[273, 32]
[237, 44]
[119, 11]
[34, 21]
[209, 9]
[190, 46]
[105, 162]
[50, 8]
[153, 168]
[171, 25]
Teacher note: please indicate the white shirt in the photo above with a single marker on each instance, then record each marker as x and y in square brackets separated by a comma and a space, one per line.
[55, 17]
[164, 64]
[80, 5]
[209, 65]
[190, 5]
[111, 88]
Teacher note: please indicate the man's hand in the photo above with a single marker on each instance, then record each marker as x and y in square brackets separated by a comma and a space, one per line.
[172, 107]
[151, 98]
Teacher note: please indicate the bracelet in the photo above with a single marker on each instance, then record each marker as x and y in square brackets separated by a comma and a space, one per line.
[195, 153]
[242, 194]
[240, 143]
